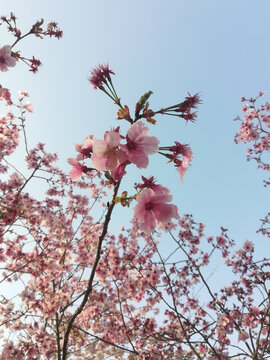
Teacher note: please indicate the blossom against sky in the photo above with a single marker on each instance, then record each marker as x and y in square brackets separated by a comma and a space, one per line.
[217, 49]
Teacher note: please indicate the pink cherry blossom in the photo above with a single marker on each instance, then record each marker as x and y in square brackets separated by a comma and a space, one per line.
[86, 148]
[120, 171]
[181, 156]
[147, 183]
[248, 246]
[152, 208]
[139, 145]
[182, 149]
[182, 168]
[106, 153]
[6, 59]
[129, 277]
[23, 93]
[77, 169]
[100, 75]
[184, 108]
[5, 95]
[243, 336]
[254, 130]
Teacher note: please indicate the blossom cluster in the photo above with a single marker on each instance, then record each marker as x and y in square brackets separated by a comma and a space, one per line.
[89, 293]
[110, 155]
[8, 57]
[181, 155]
[116, 151]
[254, 130]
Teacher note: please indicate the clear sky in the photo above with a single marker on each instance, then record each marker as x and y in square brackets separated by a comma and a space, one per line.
[217, 48]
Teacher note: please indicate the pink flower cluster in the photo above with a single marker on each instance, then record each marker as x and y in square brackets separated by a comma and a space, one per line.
[115, 152]
[110, 155]
[100, 76]
[5, 95]
[184, 151]
[184, 109]
[53, 30]
[34, 64]
[73, 257]
[9, 58]
[254, 129]
[9, 135]
[181, 155]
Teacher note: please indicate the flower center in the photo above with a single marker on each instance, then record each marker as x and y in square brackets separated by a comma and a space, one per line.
[2, 60]
[110, 151]
[130, 144]
[149, 206]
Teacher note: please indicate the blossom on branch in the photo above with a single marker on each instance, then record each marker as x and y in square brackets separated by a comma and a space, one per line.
[5, 95]
[254, 129]
[100, 75]
[179, 150]
[182, 166]
[6, 58]
[152, 208]
[184, 109]
[77, 169]
[106, 153]
[139, 145]
[190, 102]
[34, 64]
[85, 150]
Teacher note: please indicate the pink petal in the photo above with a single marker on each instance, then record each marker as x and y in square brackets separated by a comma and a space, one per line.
[182, 169]
[75, 174]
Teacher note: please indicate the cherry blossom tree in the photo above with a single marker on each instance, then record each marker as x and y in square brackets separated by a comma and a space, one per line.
[79, 291]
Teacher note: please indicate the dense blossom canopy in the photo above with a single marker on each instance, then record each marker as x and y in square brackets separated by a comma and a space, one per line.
[90, 294]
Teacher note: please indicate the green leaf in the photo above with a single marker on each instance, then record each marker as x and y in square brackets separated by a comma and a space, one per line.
[39, 23]
[144, 98]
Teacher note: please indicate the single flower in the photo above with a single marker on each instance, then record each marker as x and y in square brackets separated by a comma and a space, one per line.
[139, 145]
[6, 58]
[152, 208]
[106, 153]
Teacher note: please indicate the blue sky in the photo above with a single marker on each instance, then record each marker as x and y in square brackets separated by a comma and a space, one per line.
[220, 49]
